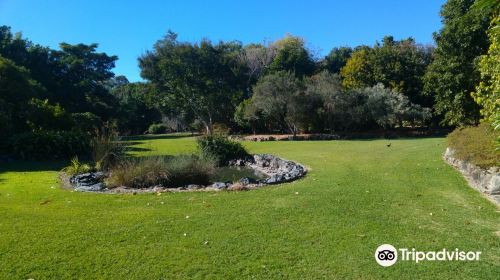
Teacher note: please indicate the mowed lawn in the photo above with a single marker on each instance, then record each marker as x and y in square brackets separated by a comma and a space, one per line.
[357, 196]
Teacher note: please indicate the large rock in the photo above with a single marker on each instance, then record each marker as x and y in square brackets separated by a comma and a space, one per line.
[88, 182]
[91, 188]
[219, 185]
[486, 181]
[247, 181]
[279, 170]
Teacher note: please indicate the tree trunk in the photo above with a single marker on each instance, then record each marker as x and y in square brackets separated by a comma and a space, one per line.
[209, 127]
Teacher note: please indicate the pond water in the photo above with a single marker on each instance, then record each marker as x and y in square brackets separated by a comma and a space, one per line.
[234, 173]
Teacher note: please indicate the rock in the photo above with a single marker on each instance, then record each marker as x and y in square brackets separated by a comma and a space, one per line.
[219, 185]
[274, 179]
[246, 181]
[193, 187]
[486, 181]
[91, 188]
[88, 182]
[494, 186]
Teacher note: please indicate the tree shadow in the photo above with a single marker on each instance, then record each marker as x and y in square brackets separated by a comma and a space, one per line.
[157, 137]
[32, 166]
[137, 149]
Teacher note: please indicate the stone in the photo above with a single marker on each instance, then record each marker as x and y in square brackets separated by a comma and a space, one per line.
[88, 182]
[219, 185]
[247, 181]
[193, 187]
[486, 181]
[494, 186]
[91, 188]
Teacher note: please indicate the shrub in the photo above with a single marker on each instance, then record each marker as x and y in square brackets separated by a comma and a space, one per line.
[49, 145]
[86, 122]
[158, 128]
[107, 150]
[220, 128]
[476, 145]
[76, 167]
[389, 108]
[220, 148]
[165, 171]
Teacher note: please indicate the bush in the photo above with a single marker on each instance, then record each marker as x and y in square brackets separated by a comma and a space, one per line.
[49, 145]
[220, 128]
[76, 167]
[158, 128]
[165, 171]
[220, 148]
[86, 122]
[476, 145]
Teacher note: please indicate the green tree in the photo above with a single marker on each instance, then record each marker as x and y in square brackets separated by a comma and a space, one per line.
[247, 115]
[293, 56]
[336, 59]
[488, 90]
[453, 74]
[16, 90]
[81, 74]
[207, 79]
[358, 71]
[398, 65]
[138, 107]
[280, 97]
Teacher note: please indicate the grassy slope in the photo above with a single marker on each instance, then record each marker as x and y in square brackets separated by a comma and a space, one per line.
[359, 194]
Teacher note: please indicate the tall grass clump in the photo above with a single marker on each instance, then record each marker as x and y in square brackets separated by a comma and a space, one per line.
[220, 148]
[476, 145]
[77, 167]
[107, 150]
[161, 171]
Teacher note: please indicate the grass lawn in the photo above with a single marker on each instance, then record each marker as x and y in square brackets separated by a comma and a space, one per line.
[357, 196]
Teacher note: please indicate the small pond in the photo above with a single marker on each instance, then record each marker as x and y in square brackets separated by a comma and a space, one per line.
[234, 173]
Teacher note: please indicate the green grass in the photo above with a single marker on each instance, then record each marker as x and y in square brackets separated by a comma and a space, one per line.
[358, 195]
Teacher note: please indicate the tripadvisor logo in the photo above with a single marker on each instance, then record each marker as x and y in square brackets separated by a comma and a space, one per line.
[387, 255]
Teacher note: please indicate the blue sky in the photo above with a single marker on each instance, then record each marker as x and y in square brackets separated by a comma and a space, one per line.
[129, 28]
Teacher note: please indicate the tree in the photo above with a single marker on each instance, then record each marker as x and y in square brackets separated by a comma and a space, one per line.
[257, 58]
[81, 74]
[398, 65]
[487, 93]
[358, 71]
[16, 90]
[453, 74]
[207, 79]
[292, 56]
[278, 96]
[137, 107]
[401, 65]
[336, 59]
[247, 115]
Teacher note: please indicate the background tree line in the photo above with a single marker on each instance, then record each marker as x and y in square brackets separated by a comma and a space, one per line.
[270, 87]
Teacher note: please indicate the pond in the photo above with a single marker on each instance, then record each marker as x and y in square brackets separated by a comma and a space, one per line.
[234, 173]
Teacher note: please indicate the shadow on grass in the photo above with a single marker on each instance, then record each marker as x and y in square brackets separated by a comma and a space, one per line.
[155, 137]
[136, 149]
[32, 166]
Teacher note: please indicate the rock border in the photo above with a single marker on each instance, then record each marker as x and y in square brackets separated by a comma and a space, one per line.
[276, 169]
[485, 181]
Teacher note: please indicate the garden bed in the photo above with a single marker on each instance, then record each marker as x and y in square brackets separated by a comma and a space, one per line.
[274, 170]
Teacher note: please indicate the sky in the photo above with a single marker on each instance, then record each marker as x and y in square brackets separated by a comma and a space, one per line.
[129, 28]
